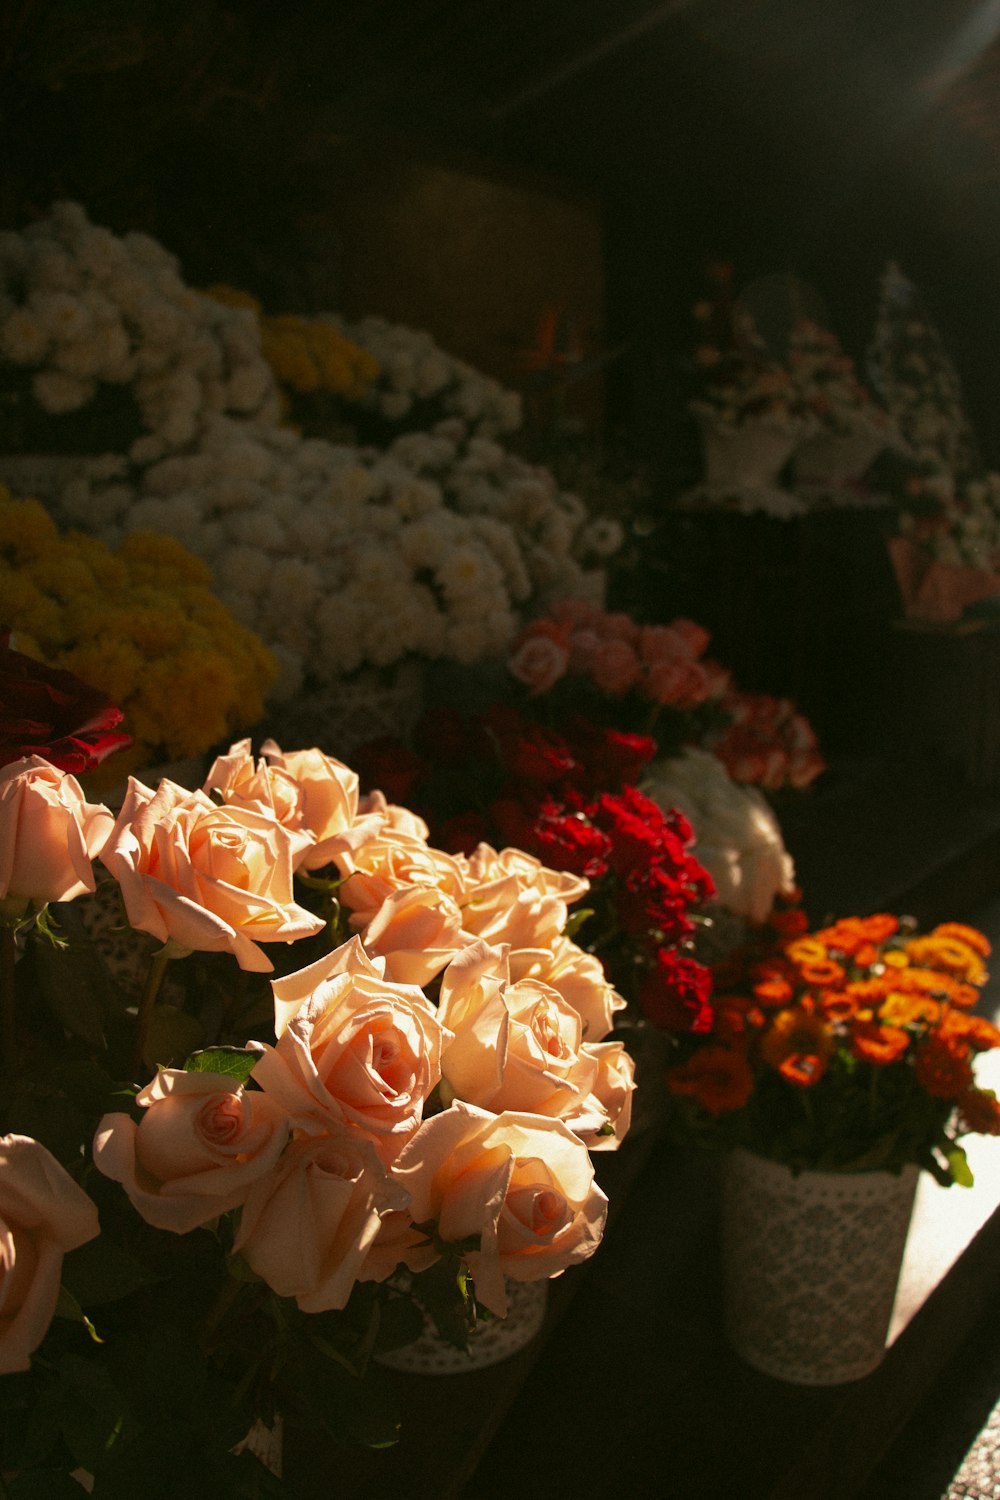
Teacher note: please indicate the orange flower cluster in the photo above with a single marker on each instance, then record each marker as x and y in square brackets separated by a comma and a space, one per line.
[863, 990]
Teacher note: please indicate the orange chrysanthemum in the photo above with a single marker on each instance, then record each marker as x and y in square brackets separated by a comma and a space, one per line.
[878, 1044]
[950, 954]
[943, 1067]
[971, 936]
[735, 1017]
[977, 1031]
[900, 1008]
[798, 1044]
[806, 950]
[838, 1005]
[979, 1111]
[773, 992]
[718, 1078]
[822, 972]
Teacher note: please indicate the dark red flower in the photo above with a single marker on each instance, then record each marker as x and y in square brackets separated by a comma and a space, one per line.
[390, 766]
[676, 994]
[463, 833]
[537, 754]
[51, 713]
[448, 737]
[607, 758]
[566, 840]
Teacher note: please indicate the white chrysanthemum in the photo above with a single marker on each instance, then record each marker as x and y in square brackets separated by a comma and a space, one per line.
[57, 392]
[243, 571]
[24, 338]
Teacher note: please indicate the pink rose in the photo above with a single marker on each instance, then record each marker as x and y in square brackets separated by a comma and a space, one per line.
[613, 1090]
[681, 683]
[307, 1227]
[540, 657]
[615, 667]
[49, 834]
[206, 877]
[352, 1048]
[196, 1150]
[523, 1185]
[43, 1214]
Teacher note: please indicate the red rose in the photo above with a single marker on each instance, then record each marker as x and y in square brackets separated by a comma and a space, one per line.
[676, 994]
[538, 754]
[51, 713]
[607, 757]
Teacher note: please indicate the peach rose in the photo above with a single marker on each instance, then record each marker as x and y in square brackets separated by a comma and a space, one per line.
[519, 1046]
[393, 816]
[307, 1227]
[540, 657]
[327, 804]
[523, 1185]
[613, 1090]
[49, 834]
[391, 861]
[579, 978]
[206, 877]
[511, 897]
[416, 931]
[351, 1048]
[195, 1152]
[615, 667]
[42, 1215]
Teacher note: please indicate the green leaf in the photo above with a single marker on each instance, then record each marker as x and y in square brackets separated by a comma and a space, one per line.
[171, 1037]
[74, 988]
[43, 1484]
[958, 1166]
[576, 920]
[231, 1062]
[103, 1271]
[91, 1410]
[351, 1408]
[67, 1307]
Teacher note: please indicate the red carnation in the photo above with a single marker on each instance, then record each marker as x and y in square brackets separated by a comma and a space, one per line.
[567, 841]
[676, 994]
[48, 712]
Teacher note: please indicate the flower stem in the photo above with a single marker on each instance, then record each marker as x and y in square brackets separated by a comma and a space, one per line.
[8, 1026]
[147, 1004]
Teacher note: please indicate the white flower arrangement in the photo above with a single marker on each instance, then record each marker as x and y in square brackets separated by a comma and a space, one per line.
[737, 837]
[341, 557]
[82, 309]
[414, 370]
[964, 528]
[826, 385]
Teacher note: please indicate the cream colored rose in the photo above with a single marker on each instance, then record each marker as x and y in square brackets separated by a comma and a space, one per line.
[579, 978]
[49, 834]
[43, 1214]
[613, 1090]
[328, 801]
[351, 1048]
[416, 931]
[395, 860]
[511, 897]
[206, 877]
[195, 1152]
[393, 816]
[523, 1184]
[307, 1227]
[520, 1047]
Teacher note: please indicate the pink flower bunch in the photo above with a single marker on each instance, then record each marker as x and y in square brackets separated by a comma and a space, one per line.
[767, 743]
[662, 664]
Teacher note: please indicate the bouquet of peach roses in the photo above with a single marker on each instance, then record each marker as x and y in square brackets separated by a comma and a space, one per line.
[351, 1054]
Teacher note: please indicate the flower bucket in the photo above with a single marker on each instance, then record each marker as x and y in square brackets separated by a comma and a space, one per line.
[810, 1266]
[747, 457]
[837, 459]
[489, 1344]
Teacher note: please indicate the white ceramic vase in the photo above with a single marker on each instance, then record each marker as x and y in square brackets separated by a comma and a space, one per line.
[835, 459]
[748, 456]
[810, 1266]
[492, 1341]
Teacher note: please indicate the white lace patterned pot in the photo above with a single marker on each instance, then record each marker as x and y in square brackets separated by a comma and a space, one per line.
[836, 459]
[491, 1341]
[810, 1266]
[749, 456]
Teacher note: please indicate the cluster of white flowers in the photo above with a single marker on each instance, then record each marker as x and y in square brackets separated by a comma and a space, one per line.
[340, 557]
[413, 369]
[737, 837]
[826, 384]
[917, 380]
[965, 530]
[82, 308]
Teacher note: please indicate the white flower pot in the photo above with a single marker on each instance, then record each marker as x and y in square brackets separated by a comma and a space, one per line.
[810, 1266]
[836, 459]
[353, 711]
[746, 457]
[490, 1342]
